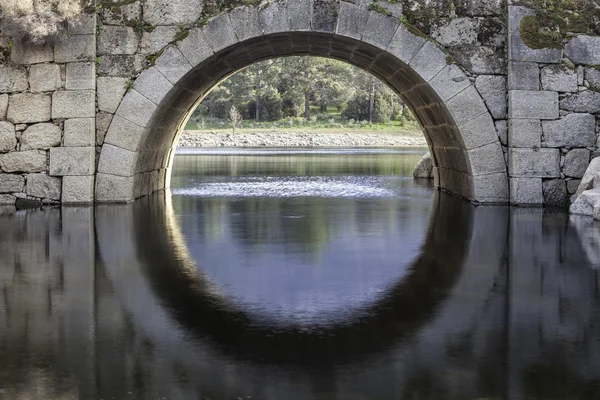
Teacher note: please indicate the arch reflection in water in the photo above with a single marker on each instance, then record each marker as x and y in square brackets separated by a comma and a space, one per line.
[508, 312]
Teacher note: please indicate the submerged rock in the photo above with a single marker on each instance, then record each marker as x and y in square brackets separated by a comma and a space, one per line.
[424, 169]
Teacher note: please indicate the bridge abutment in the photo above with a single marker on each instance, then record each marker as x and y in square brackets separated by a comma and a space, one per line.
[94, 115]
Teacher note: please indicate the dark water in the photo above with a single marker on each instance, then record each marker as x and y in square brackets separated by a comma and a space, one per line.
[299, 276]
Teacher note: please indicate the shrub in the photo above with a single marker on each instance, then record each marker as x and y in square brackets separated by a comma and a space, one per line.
[37, 21]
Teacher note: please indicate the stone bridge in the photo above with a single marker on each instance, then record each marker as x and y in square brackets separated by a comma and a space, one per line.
[510, 111]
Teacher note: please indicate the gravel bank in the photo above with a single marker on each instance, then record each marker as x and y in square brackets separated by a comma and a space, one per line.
[297, 139]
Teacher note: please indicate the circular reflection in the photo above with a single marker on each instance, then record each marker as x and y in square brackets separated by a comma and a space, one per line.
[398, 313]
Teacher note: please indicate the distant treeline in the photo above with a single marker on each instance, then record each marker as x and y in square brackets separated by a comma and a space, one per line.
[290, 87]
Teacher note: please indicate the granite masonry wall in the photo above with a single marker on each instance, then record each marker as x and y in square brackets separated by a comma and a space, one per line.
[95, 115]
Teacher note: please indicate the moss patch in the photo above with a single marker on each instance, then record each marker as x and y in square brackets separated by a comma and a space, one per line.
[537, 37]
[374, 6]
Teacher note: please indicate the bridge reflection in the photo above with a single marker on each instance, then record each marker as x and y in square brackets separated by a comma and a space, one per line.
[108, 302]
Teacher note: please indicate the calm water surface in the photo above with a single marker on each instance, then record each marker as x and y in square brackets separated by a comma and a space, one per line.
[273, 274]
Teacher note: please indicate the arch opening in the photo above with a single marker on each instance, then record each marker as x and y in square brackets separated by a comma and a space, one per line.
[139, 147]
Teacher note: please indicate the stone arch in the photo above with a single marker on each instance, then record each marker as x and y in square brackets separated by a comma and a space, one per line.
[137, 152]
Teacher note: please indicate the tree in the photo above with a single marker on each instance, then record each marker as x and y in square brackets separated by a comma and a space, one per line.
[235, 118]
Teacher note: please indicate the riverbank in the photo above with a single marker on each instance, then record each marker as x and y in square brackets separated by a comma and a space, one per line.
[301, 139]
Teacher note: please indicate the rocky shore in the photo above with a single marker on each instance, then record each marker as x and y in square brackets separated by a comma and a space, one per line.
[299, 139]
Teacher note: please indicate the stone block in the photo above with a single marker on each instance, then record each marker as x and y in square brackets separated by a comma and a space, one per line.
[121, 65]
[78, 189]
[194, 47]
[25, 53]
[44, 186]
[72, 161]
[582, 102]
[125, 134]
[219, 33]
[559, 78]
[159, 37]
[532, 104]
[75, 48]
[523, 75]
[525, 133]
[502, 131]
[26, 108]
[246, 23]
[555, 193]
[478, 131]
[352, 21]
[584, 49]
[487, 159]
[40, 136]
[103, 121]
[519, 51]
[576, 163]
[299, 14]
[457, 32]
[85, 24]
[172, 64]
[7, 200]
[585, 203]
[428, 61]
[81, 76]
[110, 91]
[526, 191]
[492, 89]
[3, 106]
[136, 108]
[117, 161]
[13, 79]
[79, 132]
[405, 45]
[45, 78]
[492, 188]
[380, 29]
[74, 104]
[534, 163]
[23, 161]
[325, 15]
[8, 140]
[573, 130]
[114, 189]
[592, 76]
[117, 40]
[11, 183]
[118, 15]
[572, 185]
[172, 12]
[449, 82]
[487, 60]
[466, 105]
[152, 85]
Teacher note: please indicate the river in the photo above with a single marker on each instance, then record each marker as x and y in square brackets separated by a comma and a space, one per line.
[295, 274]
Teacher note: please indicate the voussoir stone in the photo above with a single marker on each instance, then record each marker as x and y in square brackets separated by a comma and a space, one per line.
[492, 89]
[160, 36]
[11, 183]
[576, 162]
[23, 161]
[41, 136]
[582, 102]
[110, 92]
[44, 186]
[27, 108]
[8, 140]
[573, 130]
